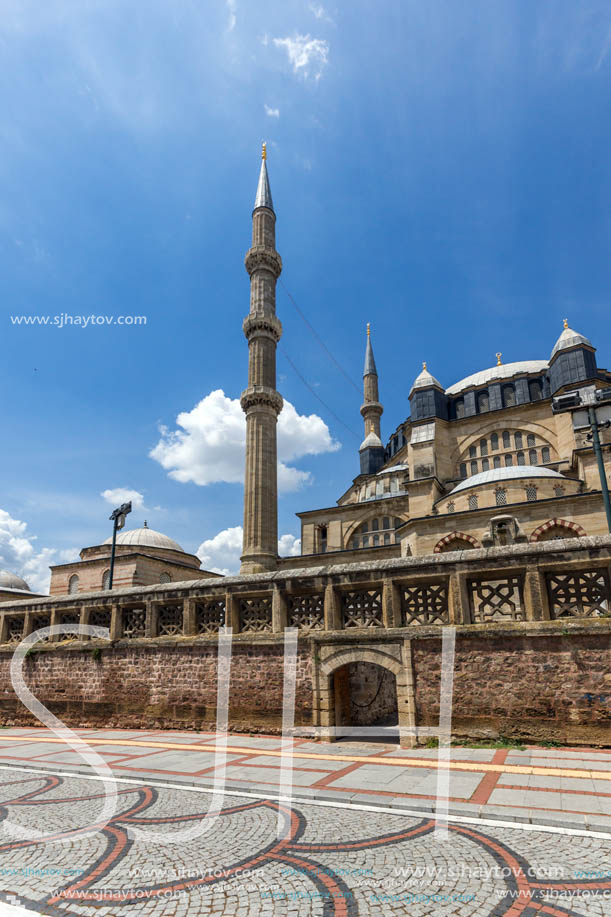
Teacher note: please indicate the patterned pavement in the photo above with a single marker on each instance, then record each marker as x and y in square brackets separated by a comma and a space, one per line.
[339, 856]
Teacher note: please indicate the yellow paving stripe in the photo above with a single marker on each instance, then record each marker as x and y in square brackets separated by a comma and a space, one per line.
[477, 766]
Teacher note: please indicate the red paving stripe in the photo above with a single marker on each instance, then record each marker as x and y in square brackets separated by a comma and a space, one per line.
[333, 775]
[489, 781]
[551, 789]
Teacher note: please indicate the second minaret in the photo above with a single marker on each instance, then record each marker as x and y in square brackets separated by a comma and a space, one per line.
[260, 401]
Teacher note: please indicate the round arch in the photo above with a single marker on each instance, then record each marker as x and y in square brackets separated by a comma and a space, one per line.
[363, 654]
[456, 536]
[573, 529]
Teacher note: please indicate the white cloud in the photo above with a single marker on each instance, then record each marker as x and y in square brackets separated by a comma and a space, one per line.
[272, 112]
[210, 445]
[231, 8]
[221, 554]
[19, 555]
[307, 55]
[320, 12]
[120, 495]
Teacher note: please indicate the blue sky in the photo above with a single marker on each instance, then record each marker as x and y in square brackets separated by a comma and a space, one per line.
[438, 169]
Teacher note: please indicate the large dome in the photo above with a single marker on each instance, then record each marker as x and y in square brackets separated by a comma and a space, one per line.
[10, 580]
[506, 474]
[504, 371]
[148, 538]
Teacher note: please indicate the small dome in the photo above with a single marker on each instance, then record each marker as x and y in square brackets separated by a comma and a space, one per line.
[567, 339]
[504, 371]
[371, 441]
[425, 380]
[148, 538]
[506, 474]
[10, 580]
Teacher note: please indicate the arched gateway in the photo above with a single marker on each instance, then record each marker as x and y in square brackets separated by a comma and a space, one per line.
[364, 686]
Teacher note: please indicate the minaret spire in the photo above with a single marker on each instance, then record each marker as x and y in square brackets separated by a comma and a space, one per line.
[260, 401]
[372, 450]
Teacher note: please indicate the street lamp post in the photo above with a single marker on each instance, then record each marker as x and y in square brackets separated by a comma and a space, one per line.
[574, 401]
[118, 519]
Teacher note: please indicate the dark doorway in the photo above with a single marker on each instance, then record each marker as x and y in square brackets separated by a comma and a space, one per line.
[366, 695]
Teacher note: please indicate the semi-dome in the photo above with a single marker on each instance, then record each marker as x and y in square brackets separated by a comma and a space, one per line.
[567, 339]
[503, 371]
[146, 537]
[425, 380]
[506, 474]
[10, 580]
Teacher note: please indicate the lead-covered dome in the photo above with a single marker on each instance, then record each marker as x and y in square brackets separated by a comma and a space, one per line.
[425, 380]
[146, 537]
[10, 580]
[507, 474]
[501, 371]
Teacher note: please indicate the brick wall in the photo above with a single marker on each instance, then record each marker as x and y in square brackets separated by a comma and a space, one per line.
[157, 685]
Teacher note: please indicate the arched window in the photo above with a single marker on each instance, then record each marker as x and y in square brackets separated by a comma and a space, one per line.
[509, 396]
[532, 457]
[376, 541]
[483, 447]
[472, 451]
[518, 440]
[165, 578]
[386, 538]
[73, 584]
[545, 456]
[450, 507]
[530, 439]
[535, 390]
[494, 442]
[473, 467]
[460, 408]
[506, 440]
[508, 461]
[473, 501]
[375, 525]
[521, 460]
[106, 579]
[483, 402]
[501, 496]
[497, 461]
[385, 522]
[485, 465]
[463, 469]
[322, 534]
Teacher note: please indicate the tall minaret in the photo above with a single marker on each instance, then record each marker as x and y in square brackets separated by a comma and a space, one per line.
[371, 450]
[261, 402]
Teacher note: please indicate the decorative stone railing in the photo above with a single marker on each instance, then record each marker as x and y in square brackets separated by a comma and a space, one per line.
[535, 582]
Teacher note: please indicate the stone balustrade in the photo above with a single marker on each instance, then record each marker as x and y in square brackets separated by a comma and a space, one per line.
[567, 578]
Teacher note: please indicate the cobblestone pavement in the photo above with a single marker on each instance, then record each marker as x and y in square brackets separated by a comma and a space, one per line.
[333, 860]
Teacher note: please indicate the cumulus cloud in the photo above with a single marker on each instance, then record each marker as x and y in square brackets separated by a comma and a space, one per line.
[120, 495]
[19, 555]
[221, 554]
[272, 112]
[307, 56]
[209, 446]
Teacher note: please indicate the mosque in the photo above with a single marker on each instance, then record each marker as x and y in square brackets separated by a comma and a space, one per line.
[482, 462]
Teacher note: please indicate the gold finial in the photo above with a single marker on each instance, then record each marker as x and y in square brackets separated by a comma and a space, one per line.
[372, 428]
[264, 151]
[499, 362]
[565, 322]
[368, 329]
[424, 364]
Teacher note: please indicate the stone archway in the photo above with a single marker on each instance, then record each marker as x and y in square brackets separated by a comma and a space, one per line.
[343, 681]
[456, 541]
[557, 528]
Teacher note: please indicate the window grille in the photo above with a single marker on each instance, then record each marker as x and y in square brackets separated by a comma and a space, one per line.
[496, 600]
[106, 580]
[39, 622]
[134, 622]
[530, 439]
[362, 609]
[508, 461]
[14, 630]
[545, 456]
[70, 617]
[483, 447]
[256, 614]
[497, 461]
[535, 391]
[506, 440]
[509, 396]
[460, 408]
[485, 465]
[585, 594]
[559, 490]
[532, 457]
[494, 442]
[518, 440]
[425, 603]
[165, 578]
[100, 617]
[531, 493]
[483, 402]
[210, 616]
[473, 501]
[472, 451]
[463, 470]
[307, 611]
[521, 460]
[73, 584]
[501, 496]
[170, 620]
[450, 507]
[473, 467]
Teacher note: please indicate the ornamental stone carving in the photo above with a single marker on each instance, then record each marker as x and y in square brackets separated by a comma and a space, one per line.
[261, 395]
[259, 257]
[261, 325]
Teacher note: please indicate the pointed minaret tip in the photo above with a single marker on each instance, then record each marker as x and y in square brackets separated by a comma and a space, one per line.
[264, 194]
[370, 363]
